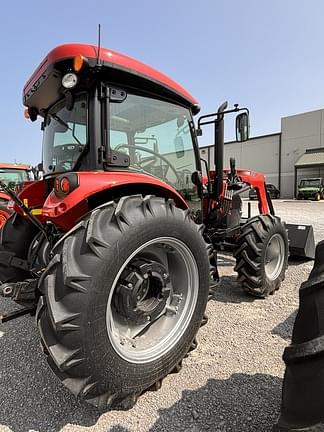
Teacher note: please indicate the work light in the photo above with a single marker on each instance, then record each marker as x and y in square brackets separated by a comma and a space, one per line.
[69, 80]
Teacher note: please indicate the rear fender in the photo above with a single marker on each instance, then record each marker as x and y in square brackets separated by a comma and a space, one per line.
[96, 188]
[33, 195]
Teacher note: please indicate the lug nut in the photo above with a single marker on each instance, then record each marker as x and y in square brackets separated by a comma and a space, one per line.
[6, 291]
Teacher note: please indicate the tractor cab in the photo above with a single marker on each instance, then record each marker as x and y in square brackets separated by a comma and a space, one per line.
[14, 175]
[102, 111]
[146, 136]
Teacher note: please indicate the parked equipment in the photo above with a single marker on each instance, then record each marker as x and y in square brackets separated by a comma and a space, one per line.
[271, 189]
[311, 188]
[13, 175]
[303, 385]
[115, 247]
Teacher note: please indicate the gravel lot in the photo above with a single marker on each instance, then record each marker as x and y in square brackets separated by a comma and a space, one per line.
[231, 382]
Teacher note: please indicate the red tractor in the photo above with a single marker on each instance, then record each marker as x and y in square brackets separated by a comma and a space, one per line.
[14, 175]
[115, 248]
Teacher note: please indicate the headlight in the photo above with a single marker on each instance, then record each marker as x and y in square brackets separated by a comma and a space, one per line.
[69, 80]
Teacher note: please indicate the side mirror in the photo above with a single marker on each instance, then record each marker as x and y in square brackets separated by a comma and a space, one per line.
[179, 147]
[242, 127]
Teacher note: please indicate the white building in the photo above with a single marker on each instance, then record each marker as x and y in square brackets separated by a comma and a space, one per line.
[281, 156]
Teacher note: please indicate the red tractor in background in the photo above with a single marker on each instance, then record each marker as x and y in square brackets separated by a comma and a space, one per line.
[14, 175]
[115, 249]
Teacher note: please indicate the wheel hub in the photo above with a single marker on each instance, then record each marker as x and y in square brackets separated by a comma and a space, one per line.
[143, 290]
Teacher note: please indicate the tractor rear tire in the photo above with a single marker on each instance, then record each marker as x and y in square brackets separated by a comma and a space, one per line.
[16, 236]
[303, 384]
[123, 298]
[5, 214]
[262, 255]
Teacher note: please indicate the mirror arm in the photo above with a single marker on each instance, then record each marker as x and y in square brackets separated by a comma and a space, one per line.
[216, 114]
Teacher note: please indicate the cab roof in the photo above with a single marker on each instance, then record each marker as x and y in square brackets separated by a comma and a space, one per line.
[4, 165]
[109, 59]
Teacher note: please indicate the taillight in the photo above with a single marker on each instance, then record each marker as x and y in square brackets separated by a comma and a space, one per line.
[65, 184]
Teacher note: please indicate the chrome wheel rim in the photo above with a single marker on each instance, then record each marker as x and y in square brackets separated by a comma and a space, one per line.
[172, 301]
[274, 256]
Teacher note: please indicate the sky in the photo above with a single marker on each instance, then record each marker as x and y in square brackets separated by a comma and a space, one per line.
[265, 55]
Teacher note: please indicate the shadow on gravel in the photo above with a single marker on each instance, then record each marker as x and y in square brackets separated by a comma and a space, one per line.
[118, 428]
[285, 328]
[230, 291]
[242, 403]
[30, 396]
[296, 260]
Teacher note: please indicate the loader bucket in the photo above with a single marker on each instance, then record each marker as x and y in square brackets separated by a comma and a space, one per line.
[302, 406]
[301, 241]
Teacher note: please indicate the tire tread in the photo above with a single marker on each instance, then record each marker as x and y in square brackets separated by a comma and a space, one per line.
[59, 322]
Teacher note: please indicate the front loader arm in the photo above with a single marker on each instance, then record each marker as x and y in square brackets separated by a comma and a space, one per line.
[243, 179]
[257, 181]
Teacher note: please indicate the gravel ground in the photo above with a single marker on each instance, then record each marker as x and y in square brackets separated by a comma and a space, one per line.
[231, 382]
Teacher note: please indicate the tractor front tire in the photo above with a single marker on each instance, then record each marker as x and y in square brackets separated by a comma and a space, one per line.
[262, 255]
[123, 298]
[16, 236]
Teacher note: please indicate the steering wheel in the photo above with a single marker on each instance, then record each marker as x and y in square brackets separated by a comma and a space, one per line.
[65, 152]
[150, 161]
